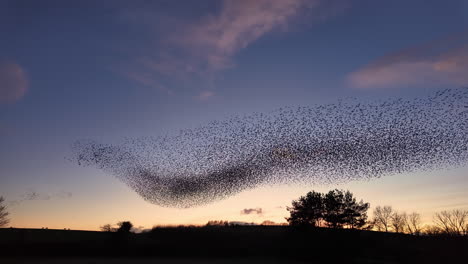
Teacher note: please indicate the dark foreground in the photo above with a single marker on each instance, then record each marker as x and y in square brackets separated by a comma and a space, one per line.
[240, 244]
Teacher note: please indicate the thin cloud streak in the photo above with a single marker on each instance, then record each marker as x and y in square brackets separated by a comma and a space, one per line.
[440, 62]
[32, 195]
[13, 82]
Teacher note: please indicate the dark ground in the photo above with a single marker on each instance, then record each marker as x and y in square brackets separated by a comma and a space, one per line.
[238, 244]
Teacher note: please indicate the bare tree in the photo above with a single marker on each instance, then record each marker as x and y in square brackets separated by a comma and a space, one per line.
[413, 223]
[398, 222]
[382, 217]
[452, 222]
[107, 228]
[3, 213]
[432, 230]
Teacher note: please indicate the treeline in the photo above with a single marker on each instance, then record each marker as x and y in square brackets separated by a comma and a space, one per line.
[339, 209]
[122, 227]
[453, 223]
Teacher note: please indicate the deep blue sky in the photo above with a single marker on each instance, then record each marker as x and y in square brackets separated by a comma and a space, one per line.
[106, 70]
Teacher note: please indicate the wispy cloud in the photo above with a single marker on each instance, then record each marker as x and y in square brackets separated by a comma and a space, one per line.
[13, 82]
[32, 195]
[214, 39]
[205, 95]
[202, 47]
[248, 211]
[439, 62]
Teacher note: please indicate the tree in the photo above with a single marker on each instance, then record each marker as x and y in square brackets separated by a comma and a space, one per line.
[453, 222]
[382, 217]
[335, 209]
[432, 230]
[355, 213]
[269, 223]
[413, 223]
[124, 227]
[307, 210]
[398, 222]
[3, 213]
[107, 228]
[217, 223]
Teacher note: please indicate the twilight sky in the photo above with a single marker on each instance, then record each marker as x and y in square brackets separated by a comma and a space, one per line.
[109, 70]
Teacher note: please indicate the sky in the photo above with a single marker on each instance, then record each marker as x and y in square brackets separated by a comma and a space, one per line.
[109, 70]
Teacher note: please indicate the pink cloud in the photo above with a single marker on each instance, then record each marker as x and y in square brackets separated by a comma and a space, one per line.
[13, 82]
[216, 38]
[440, 62]
[201, 48]
[205, 95]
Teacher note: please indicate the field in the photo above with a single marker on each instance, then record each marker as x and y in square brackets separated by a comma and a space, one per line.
[237, 244]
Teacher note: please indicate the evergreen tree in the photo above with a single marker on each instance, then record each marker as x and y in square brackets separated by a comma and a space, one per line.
[307, 210]
[335, 209]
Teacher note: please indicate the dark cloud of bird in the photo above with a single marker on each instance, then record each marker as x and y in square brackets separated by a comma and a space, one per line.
[323, 144]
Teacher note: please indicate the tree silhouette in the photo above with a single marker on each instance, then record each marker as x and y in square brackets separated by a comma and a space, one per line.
[341, 209]
[355, 213]
[3, 213]
[413, 223]
[398, 222]
[124, 227]
[307, 210]
[453, 222]
[382, 217]
[336, 209]
[107, 228]
[217, 223]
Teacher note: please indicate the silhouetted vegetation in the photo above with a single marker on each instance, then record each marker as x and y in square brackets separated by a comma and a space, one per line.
[382, 218]
[335, 209]
[413, 223]
[3, 213]
[446, 223]
[290, 243]
[454, 223]
[398, 222]
[108, 228]
[320, 224]
[217, 223]
[124, 227]
[339, 209]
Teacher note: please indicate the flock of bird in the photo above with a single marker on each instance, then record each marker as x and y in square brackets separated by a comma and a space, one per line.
[334, 143]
